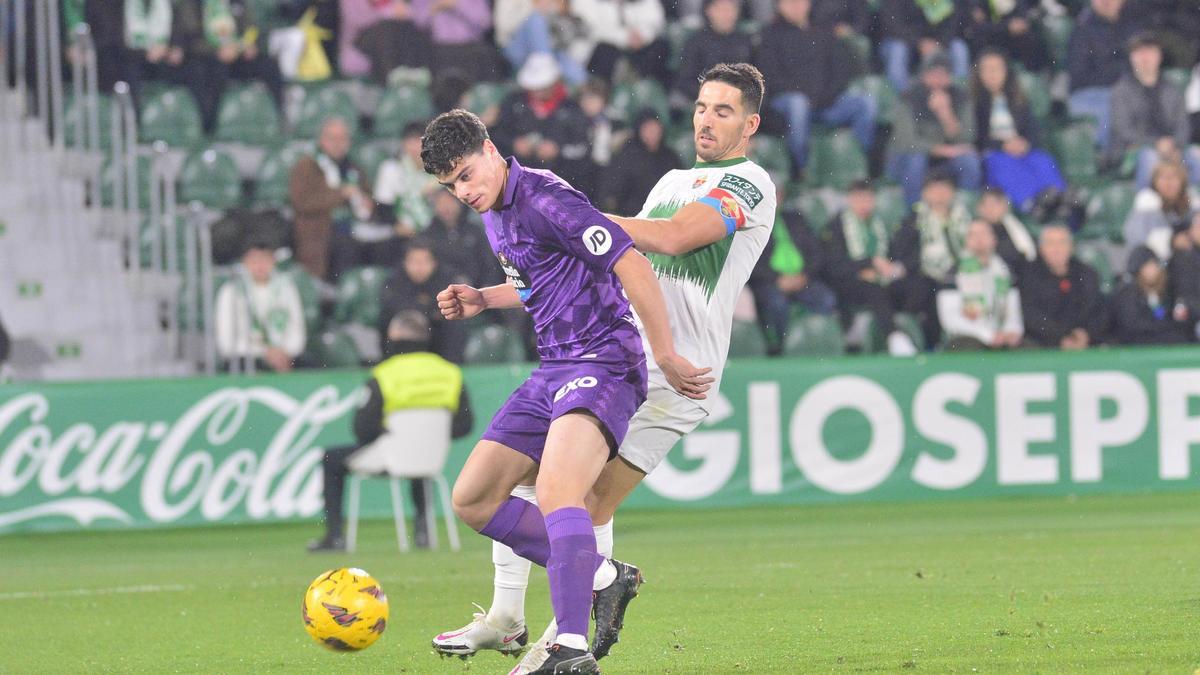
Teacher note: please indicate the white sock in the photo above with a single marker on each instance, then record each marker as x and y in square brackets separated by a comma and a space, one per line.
[572, 640]
[606, 573]
[512, 576]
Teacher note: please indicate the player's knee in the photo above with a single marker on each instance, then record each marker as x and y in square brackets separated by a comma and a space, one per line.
[469, 509]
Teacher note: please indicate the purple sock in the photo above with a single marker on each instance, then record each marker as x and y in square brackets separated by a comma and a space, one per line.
[520, 526]
[573, 562]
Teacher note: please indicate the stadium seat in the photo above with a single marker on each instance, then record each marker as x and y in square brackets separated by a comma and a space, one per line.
[210, 177]
[1095, 254]
[271, 184]
[482, 95]
[147, 245]
[677, 34]
[494, 344]
[108, 177]
[890, 206]
[400, 106]
[878, 87]
[746, 340]
[812, 207]
[1177, 77]
[335, 349]
[307, 288]
[968, 199]
[628, 99]
[75, 111]
[1075, 147]
[321, 104]
[1057, 31]
[682, 141]
[771, 153]
[910, 326]
[815, 335]
[248, 115]
[860, 48]
[1106, 212]
[359, 296]
[1037, 92]
[835, 160]
[171, 117]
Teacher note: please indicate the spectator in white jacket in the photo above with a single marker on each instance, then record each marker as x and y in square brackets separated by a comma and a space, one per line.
[258, 314]
[983, 310]
[625, 28]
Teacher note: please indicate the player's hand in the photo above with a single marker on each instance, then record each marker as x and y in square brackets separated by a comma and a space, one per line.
[460, 301]
[685, 378]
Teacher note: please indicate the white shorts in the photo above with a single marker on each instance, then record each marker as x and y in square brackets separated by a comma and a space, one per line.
[658, 424]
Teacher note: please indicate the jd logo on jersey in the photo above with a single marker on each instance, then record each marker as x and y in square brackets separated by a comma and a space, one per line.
[597, 239]
[586, 382]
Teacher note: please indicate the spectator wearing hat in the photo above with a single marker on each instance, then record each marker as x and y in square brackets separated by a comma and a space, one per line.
[819, 90]
[923, 27]
[1144, 311]
[859, 270]
[1096, 60]
[541, 124]
[983, 309]
[637, 167]
[719, 41]
[258, 314]
[1061, 300]
[934, 126]
[1149, 118]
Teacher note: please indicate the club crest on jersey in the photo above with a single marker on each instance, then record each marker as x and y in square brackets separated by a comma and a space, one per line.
[699, 181]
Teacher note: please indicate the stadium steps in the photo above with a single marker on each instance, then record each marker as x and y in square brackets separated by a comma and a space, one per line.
[71, 307]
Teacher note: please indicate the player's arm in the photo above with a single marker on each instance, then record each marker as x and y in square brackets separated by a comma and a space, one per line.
[694, 226]
[641, 285]
[460, 301]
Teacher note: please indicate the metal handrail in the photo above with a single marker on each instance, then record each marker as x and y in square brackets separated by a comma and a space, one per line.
[54, 42]
[204, 235]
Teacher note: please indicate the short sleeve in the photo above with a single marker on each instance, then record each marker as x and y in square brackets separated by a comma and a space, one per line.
[745, 202]
[580, 228]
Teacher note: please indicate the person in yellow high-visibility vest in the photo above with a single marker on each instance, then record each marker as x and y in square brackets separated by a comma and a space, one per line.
[411, 377]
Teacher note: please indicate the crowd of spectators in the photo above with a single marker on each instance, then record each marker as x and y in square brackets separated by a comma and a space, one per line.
[962, 117]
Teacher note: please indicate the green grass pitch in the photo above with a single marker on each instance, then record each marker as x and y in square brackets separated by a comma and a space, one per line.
[1097, 584]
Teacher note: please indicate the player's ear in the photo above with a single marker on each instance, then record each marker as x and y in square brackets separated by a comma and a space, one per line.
[489, 148]
[752, 123]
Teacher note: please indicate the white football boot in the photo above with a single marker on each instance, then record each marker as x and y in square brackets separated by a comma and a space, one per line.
[481, 634]
[537, 653]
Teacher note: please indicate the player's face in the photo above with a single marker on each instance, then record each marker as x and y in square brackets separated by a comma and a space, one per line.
[721, 123]
[477, 179]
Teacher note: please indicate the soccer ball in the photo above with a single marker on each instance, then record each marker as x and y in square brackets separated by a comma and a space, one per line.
[345, 609]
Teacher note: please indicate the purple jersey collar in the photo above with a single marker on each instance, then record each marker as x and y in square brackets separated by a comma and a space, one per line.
[510, 186]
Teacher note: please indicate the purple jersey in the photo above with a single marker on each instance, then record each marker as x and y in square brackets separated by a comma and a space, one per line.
[559, 252]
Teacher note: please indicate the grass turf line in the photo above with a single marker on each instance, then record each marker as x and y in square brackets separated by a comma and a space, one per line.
[1097, 584]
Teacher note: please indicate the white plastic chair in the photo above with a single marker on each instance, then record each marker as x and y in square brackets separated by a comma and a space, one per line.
[415, 445]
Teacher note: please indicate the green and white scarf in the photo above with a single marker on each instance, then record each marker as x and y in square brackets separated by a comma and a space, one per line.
[147, 23]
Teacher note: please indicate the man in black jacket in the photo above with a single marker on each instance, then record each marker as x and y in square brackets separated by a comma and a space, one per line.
[413, 286]
[1061, 300]
[393, 386]
[809, 70]
[1096, 60]
[637, 166]
[718, 42]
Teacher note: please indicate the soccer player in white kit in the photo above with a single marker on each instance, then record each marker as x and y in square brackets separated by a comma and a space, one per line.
[703, 229]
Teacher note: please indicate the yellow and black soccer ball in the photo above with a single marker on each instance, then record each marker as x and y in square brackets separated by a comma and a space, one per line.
[345, 609]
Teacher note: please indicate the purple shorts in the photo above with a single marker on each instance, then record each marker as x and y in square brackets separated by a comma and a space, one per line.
[611, 393]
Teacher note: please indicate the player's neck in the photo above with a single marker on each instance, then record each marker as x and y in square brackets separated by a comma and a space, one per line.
[734, 156]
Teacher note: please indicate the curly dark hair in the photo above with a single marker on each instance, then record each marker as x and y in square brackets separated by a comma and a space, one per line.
[450, 137]
[745, 77]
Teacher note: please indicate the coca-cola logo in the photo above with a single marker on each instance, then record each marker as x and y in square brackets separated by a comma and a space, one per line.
[237, 446]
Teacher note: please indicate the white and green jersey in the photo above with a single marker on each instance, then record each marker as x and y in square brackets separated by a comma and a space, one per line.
[702, 286]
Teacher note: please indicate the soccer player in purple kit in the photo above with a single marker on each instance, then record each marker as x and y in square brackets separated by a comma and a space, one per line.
[567, 265]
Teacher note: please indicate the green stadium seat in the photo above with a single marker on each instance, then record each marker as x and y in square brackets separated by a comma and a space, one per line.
[335, 349]
[494, 344]
[878, 87]
[910, 326]
[968, 199]
[321, 104]
[1075, 147]
[813, 208]
[272, 182]
[400, 106]
[248, 115]
[628, 99]
[770, 153]
[683, 142]
[171, 117]
[1057, 31]
[677, 34]
[1106, 212]
[890, 206]
[370, 155]
[146, 252]
[1177, 77]
[210, 177]
[860, 49]
[1095, 255]
[815, 335]
[359, 298]
[836, 160]
[108, 177]
[306, 286]
[1037, 92]
[483, 95]
[746, 340]
[75, 111]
